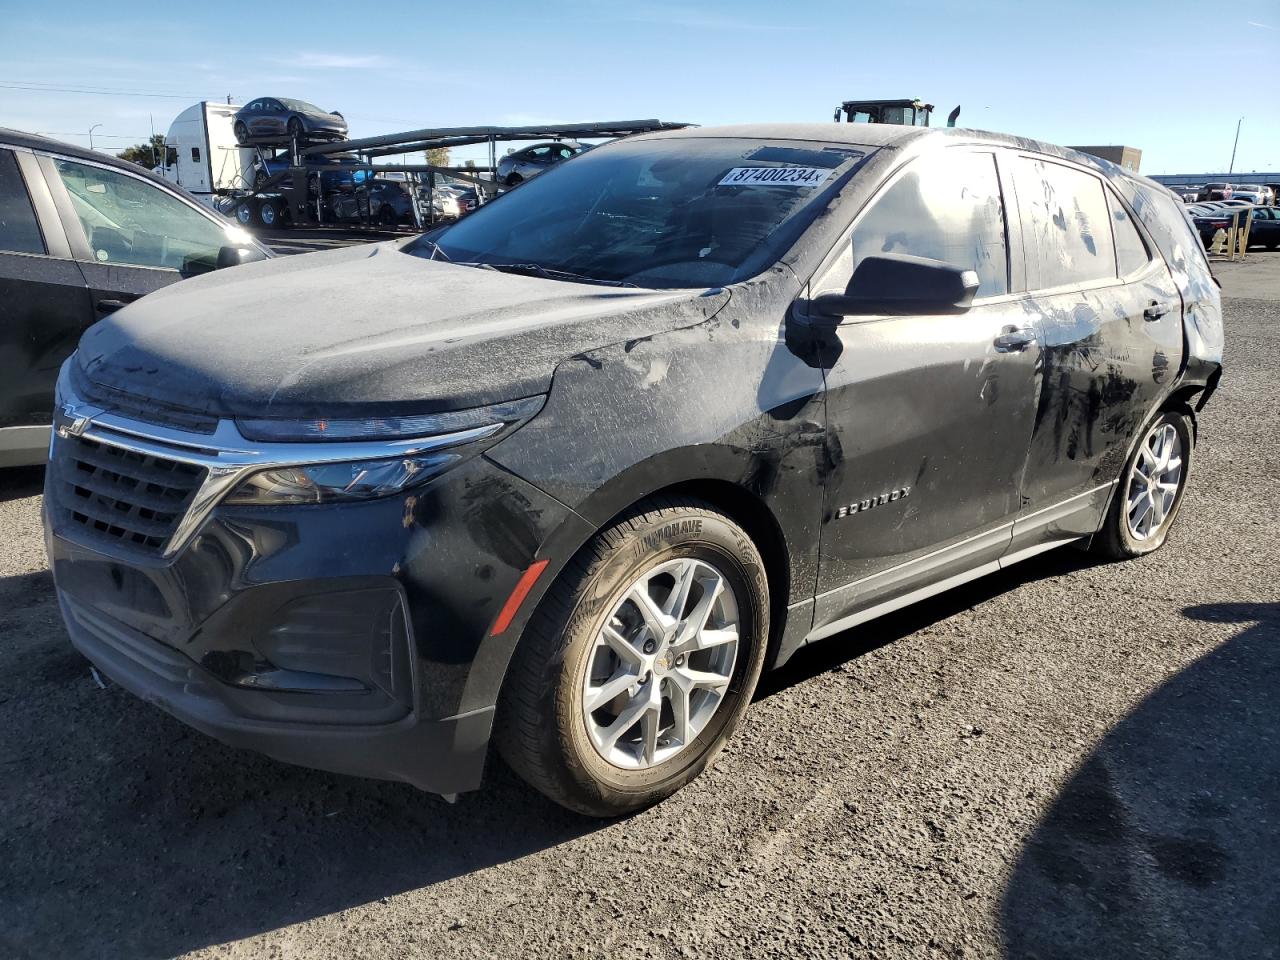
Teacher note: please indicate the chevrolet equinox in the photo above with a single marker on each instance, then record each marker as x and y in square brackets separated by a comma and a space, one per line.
[569, 474]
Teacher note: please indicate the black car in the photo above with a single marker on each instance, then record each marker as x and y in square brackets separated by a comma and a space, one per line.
[334, 171]
[387, 202]
[82, 234]
[1265, 230]
[571, 472]
[277, 120]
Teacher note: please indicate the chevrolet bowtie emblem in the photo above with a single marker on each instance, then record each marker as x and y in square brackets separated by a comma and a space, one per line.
[77, 425]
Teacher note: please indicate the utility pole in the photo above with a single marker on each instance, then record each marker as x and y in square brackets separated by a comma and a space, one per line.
[91, 129]
[1232, 167]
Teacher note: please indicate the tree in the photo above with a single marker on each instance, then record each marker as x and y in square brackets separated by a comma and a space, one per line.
[437, 156]
[147, 155]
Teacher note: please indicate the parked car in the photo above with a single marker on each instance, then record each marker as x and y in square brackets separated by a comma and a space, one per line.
[1265, 229]
[1215, 191]
[531, 161]
[569, 473]
[1209, 223]
[387, 202]
[451, 200]
[336, 171]
[1248, 192]
[277, 120]
[81, 235]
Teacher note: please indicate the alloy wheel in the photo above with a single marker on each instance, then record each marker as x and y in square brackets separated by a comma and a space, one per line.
[661, 664]
[1154, 482]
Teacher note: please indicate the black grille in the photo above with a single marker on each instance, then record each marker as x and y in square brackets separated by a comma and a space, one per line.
[133, 499]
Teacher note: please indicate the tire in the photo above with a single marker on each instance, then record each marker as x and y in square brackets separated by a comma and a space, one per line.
[295, 130]
[1120, 538]
[241, 133]
[513, 179]
[269, 213]
[544, 730]
[387, 217]
[246, 215]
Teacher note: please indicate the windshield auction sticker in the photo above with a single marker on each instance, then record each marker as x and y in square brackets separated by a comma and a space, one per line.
[774, 177]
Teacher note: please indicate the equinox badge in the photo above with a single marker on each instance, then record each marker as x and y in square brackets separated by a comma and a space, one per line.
[861, 505]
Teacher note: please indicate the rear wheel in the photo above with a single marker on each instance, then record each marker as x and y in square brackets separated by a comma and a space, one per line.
[513, 179]
[386, 216]
[269, 213]
[1147, 500]
[639, 662]
[241, 133]
[245, 213]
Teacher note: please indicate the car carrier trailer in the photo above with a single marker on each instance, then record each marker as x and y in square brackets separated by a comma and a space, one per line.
[218, 170]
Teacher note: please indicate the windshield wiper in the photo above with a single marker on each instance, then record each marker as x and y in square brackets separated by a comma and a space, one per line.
[547, 273]
[436, 248]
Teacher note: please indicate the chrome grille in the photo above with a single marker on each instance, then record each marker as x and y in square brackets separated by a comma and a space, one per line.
[133, 499]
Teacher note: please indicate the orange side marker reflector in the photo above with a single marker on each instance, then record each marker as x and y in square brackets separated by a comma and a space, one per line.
[522, 588]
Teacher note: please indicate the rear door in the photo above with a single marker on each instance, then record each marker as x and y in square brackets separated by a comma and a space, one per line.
[1111, 317]
[928, 417]
[44, 305]
[129, 235]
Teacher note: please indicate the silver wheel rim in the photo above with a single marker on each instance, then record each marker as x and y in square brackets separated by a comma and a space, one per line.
[1154, 482]
[660, 667]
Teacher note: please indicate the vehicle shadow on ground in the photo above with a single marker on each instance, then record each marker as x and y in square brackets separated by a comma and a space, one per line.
[128, 834]
[17, 483]
[1165, 841]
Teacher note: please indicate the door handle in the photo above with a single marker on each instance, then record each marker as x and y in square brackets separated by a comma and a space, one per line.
[111, 306]
[1013, 340]
[1155, 310]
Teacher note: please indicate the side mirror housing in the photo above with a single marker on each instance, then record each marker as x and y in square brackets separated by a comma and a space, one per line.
[234, 256]
[900, 285]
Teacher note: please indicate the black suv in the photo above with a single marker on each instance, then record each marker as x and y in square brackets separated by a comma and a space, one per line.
[81, 235]
[572, 473]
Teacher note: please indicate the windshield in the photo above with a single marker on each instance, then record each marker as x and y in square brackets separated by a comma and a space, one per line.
[680, 212]
[301, 106]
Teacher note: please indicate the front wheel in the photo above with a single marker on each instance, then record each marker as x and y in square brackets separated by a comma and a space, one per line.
[1147, 500]
[639, 662]
[241, 133]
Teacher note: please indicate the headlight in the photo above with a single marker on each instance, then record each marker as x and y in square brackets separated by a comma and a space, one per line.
[337, 482]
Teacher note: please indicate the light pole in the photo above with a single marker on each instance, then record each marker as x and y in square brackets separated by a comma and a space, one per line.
[91, 129]
[1231, 168]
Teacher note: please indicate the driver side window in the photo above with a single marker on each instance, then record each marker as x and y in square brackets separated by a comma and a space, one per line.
[129, 221]
[948, 207]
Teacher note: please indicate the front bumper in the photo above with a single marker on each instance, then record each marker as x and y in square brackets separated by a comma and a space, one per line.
[355, 638]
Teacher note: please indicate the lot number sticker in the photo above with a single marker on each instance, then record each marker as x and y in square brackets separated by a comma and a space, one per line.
[775, 177]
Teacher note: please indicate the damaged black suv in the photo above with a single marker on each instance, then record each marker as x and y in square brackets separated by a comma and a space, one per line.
[570, 474]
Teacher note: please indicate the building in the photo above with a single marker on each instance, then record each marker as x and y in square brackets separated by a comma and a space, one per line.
[1271, 179]
[1128, 157]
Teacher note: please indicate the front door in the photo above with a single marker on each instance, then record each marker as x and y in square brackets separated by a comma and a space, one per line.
[131, 236]
[43, 308]
[928, 417]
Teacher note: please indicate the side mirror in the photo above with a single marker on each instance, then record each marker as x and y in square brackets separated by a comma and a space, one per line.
[234, 256]
[899, 285]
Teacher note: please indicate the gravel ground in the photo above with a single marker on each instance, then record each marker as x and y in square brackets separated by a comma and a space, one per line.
[1062, 760]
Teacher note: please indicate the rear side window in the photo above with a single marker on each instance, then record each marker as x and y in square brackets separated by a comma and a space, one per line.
[1065, 221]
[945, 207]
[19, 230]
[1131, 252]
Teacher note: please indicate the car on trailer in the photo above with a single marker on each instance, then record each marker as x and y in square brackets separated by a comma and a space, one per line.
[281, 120]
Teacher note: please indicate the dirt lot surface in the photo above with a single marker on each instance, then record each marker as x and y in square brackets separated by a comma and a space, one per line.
[1065, 760]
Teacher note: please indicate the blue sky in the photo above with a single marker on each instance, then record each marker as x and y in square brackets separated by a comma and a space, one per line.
[1170, 78]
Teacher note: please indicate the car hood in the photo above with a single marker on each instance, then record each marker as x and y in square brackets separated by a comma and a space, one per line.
[365, 330]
